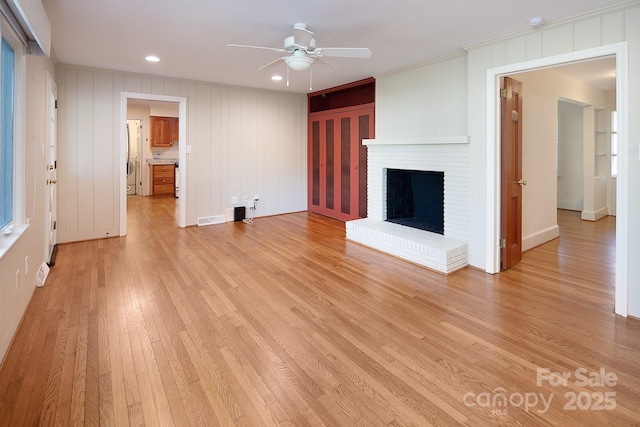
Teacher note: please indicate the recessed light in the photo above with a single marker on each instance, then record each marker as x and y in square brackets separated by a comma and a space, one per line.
[152, 58]
[276, 78]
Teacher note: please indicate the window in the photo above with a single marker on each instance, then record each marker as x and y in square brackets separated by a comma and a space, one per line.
[12, 131]
[614, 144]
[7, 104]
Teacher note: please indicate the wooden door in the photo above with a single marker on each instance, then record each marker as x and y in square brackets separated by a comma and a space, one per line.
[338, 162]
[512, 182]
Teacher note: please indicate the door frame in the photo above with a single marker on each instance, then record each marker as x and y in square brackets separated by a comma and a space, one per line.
[182, 152]
[493, 176]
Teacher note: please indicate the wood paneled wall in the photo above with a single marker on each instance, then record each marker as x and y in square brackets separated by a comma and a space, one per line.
[244, 142]
[425, 101]
[18, 266]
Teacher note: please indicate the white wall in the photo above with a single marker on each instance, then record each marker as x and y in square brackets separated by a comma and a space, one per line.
[425, 101]
[13, 302]
[244, 142]
[570, 179]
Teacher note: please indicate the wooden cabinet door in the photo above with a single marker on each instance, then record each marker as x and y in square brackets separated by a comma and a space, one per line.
[161, 131]
[175, 128]
[338, 162]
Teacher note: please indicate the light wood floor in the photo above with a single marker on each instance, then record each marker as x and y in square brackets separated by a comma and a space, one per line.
[285, 323]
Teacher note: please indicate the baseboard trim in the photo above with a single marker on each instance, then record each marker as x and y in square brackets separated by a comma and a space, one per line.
[594, 215]
[540, 237]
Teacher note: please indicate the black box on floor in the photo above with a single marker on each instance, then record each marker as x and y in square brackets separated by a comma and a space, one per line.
[238, 213]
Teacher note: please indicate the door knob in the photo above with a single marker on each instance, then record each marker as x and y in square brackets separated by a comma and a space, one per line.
[522, 182]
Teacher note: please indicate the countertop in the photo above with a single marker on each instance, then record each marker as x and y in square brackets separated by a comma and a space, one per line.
[164, 161]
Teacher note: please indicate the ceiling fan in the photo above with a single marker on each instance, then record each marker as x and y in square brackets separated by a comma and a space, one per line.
[302, 51]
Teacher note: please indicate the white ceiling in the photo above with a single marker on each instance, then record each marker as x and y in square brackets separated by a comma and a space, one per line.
[190, 36]
[599, 73]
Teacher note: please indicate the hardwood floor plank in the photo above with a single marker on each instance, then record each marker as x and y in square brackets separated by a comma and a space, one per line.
[286, 323]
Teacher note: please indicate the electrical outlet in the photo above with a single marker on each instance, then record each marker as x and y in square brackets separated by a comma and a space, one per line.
[234, 200]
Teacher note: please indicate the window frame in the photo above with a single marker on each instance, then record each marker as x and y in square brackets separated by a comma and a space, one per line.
[10, 233]
[10, 141]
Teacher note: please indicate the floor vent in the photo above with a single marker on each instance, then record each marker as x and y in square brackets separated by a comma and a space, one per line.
[210, 220]
[41, 275]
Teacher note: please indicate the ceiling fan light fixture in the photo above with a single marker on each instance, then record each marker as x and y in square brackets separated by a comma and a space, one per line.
[299, 63]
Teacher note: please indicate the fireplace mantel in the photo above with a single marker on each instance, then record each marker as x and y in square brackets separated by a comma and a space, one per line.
[435, 140]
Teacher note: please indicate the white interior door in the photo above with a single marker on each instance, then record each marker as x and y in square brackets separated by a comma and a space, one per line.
[51, 223]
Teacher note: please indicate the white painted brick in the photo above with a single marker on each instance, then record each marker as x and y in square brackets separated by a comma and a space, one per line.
[434, 251]
[422, 247]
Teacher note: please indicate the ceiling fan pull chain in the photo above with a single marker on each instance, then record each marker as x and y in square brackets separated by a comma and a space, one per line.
[310, 79]
[287, 76]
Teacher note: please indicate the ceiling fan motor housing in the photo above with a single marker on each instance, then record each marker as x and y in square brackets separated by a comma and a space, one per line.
[290, 46]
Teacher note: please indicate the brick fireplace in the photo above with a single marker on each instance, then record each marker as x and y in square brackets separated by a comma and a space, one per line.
[444, 252]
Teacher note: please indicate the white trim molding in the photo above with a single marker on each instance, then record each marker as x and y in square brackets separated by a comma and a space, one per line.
[434, 140]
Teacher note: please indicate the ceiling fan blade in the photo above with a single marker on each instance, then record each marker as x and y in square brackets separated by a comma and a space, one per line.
[324, 61]
[344, 52]
[257, 47]
[301, 36]
[271, 64]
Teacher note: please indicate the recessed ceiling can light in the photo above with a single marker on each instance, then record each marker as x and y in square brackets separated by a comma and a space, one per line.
[276, 78]
[536, 22]
[152, 58]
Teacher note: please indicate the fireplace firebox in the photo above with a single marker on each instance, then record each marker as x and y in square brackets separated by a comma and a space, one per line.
[416, 199]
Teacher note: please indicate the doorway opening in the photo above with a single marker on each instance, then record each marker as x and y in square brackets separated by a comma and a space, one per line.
[620, 52]
[138, 108]
[133, 157]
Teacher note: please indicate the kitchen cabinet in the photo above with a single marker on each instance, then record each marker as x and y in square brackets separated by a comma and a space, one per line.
[163, 178]
[164, 131]
[174, 129]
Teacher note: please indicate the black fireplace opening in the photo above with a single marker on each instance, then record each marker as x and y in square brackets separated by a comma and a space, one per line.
[416, 199]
